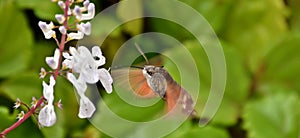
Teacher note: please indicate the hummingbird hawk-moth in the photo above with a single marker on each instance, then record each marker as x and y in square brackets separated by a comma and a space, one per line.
[151, 81]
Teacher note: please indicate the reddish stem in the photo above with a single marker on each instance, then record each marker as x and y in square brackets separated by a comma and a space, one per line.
[55, 74]
[26, 116]
[62, 40]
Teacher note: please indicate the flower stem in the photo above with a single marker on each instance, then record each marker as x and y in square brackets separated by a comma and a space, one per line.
[26, 116]
[62, 40]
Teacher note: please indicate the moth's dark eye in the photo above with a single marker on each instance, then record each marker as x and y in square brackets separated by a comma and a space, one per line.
[150, 73]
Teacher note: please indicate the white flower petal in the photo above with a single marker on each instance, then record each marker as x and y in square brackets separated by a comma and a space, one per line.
[105, 79]
[48, 90]
[47, 29]
[79, 84]
[96, 51]
[49, 34]
[86, 108]
[61, 4]
[86, 3]
[62, 30]
[60, 18]
[77, 12]
[78, 35]
[83, 51]
[53, 61]
[47, 116]
[98, 57]
[52, 81]
[88, 74]
[73, 51]
[85, 28]
[90, 14]
[68, 62]
[66, 55]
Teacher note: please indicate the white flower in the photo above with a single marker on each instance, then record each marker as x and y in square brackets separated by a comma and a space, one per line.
[85, 28]
[98, 57]
[60, 18]
[90, 14]
[62, 30]
[17, 103]
[88, 64]
[68, 62]
[47, 115]
[62, 5]
[47, 29]
[86, 108]
[48, 90]
[34, 102]
[43, 73]
[79, 84]
[53, 61]
[21, 115]
[105, 79]
[59, 104]
[87, 6]
[78, 35]
[77, 12]
[87, 67]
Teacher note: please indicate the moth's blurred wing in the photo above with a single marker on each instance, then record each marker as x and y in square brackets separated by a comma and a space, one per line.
[175, 94]
[132, 79]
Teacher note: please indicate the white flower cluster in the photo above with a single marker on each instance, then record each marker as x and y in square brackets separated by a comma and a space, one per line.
[87, 65]
[86, 12]
[78, 62]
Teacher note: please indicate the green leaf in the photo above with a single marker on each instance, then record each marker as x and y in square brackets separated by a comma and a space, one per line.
[238, 78]
[187, 130]
[282, 64]
[131, 112]
[90, 131]
[294, 16]
[128, 10]
[109, 22]
[6, 118]
[275, 116]
[23, 86]
[206, 132]
[16, 40]
[168, 27]
[39, 6]
[215, 12]
[182, 130]
[40, 52]
[254, 26]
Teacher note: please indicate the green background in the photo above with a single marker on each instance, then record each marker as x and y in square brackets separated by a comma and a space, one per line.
[261, 42]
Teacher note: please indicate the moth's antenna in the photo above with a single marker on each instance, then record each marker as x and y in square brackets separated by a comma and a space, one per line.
[139, 49]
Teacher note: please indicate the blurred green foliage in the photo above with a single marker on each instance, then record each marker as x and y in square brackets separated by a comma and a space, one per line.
[260, 39]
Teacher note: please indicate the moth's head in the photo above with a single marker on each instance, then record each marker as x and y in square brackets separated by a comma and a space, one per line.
[150, 70]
